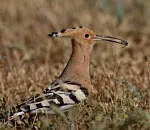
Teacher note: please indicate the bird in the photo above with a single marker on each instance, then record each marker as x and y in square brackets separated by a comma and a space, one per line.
[74, 84]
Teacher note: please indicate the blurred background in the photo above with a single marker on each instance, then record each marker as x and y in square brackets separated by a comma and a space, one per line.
[30, 60]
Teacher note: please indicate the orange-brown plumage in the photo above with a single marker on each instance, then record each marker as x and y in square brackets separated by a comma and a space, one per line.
[83, 39]
[74, 83]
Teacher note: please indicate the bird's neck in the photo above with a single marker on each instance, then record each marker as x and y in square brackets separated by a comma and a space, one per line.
[77, 68]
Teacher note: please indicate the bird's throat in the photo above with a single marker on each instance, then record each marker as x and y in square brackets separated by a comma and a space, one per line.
[78, 65]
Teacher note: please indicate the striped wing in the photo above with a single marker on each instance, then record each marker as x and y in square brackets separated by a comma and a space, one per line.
[63, 95]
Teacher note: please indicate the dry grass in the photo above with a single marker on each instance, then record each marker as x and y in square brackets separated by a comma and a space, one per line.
[29, 61]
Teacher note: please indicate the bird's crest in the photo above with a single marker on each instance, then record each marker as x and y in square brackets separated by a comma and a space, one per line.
[84, 35]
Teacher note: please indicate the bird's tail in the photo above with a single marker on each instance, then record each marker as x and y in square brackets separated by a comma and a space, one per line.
[14, 112]
[5, 115]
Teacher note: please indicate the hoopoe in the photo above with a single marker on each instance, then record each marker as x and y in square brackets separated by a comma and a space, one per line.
[74, 84]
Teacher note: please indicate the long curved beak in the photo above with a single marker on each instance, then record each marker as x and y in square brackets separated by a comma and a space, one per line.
[110, 39]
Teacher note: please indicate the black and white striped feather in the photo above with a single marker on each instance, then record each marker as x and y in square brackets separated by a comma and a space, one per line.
[63, 95]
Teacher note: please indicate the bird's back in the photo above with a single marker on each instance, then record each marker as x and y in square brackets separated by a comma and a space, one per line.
[63, 95]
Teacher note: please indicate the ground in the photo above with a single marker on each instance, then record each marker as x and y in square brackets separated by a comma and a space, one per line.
[30, 61]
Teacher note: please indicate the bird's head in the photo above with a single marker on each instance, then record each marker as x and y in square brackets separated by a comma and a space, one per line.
[86, 36]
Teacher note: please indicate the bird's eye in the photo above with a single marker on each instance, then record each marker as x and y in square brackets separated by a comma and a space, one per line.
[86, 35]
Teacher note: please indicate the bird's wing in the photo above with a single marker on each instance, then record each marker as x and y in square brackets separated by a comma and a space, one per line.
[63, 95]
